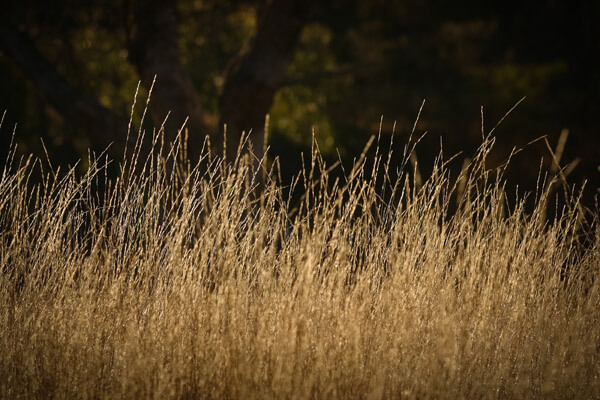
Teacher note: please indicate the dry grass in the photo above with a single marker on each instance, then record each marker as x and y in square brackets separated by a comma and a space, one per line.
[175, 283]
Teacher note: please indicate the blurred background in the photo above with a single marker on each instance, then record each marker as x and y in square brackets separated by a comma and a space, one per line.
[69, 71]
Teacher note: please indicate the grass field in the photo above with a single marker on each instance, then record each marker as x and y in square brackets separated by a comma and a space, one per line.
[177, 282]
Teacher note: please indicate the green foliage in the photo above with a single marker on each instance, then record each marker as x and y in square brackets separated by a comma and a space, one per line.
[354, 62]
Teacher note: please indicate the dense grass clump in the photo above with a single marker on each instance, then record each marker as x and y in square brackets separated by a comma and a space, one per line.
[170, 281]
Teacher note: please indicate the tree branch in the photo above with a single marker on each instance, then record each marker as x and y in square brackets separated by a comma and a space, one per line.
[252, 81]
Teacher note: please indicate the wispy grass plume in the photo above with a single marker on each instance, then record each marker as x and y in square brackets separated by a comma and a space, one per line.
[177, 282]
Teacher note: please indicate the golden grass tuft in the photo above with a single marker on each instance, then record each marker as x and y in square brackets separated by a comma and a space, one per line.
[178, 282]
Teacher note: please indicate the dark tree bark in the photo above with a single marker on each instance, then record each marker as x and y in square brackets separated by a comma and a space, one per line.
[153, 49]
[103, 126]
[253, 80]
[247, 95]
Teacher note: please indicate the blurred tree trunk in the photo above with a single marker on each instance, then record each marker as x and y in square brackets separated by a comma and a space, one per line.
[154, 51]
[254, 78]
[151, 29]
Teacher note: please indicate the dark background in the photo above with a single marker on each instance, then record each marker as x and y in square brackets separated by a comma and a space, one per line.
[69, 69]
